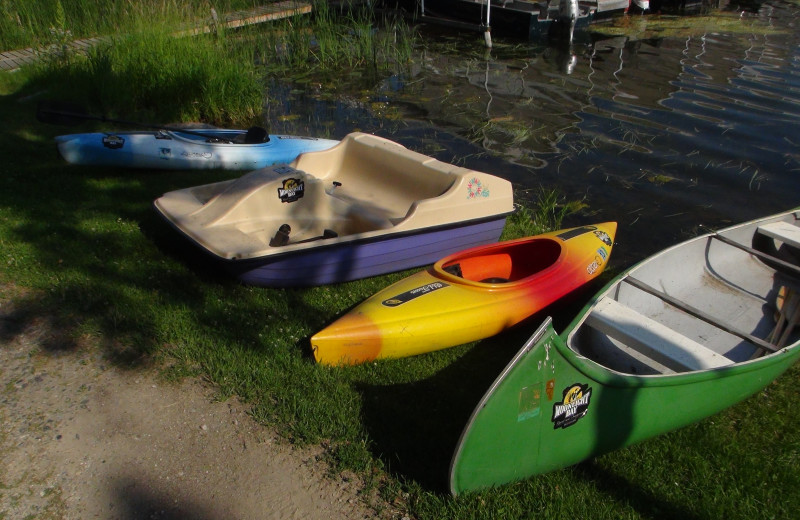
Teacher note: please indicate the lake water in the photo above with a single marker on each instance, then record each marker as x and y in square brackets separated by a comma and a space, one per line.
[675, 129]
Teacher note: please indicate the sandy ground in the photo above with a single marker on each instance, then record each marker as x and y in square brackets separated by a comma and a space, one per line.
[81, 439]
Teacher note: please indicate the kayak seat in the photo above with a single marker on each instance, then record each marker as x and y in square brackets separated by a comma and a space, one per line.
[510, 265]
[651, 338]
[495, 279]
[482, 268]
[455, 269]
[256, 135]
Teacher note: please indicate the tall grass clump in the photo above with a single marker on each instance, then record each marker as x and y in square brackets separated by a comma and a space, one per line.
[33, 23]
[152, 73]
[547, 213]
[332, 41]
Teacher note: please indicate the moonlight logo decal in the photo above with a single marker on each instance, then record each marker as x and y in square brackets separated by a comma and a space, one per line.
[572, 407]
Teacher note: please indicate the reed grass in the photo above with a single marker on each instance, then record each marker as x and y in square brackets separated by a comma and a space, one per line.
[545, 212]
[156, 76]
[143, 71]
[32, 23]
[333, 42]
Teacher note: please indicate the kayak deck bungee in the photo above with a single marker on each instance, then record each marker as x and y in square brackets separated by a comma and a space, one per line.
[467, 296]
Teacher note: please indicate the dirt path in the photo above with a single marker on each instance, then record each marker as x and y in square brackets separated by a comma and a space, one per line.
[81, 439]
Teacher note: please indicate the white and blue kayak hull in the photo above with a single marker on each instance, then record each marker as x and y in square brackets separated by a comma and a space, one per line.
[176, 150]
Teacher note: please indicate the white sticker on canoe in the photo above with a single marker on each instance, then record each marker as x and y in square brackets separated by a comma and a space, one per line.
[603, 236]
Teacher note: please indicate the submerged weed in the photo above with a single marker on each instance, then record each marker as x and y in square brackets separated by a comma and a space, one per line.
[642, 28]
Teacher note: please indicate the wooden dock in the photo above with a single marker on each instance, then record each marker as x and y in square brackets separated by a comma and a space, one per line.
[12, 60]
[236, 19]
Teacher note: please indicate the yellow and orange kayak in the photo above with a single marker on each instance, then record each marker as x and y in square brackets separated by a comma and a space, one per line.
[467, 296]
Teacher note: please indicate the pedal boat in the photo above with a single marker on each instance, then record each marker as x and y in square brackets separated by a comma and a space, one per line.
[365, 207]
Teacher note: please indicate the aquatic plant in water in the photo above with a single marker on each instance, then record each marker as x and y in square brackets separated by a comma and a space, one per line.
[655, 26]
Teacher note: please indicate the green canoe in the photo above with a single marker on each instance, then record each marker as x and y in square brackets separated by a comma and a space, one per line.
[683, 335]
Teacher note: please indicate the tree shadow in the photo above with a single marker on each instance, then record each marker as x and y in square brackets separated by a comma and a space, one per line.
[27, 317]
[415, 426]
[135, 499]
[623, 491]
[77, 243]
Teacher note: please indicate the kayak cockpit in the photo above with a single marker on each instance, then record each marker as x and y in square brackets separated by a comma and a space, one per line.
[506, 263]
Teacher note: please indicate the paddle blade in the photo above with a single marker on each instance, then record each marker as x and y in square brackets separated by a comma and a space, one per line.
[61, 113]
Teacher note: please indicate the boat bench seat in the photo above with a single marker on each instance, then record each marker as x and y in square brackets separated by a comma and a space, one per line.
[784, 231]
[363, 214]
[651, 338]
[363, 218]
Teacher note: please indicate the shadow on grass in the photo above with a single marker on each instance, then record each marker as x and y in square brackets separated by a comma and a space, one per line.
[416, 426]
[625, 492]
[29, 317]
[71, 236]
[84, 252]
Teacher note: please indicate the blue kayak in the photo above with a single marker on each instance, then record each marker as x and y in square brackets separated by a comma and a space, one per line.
[194, 149]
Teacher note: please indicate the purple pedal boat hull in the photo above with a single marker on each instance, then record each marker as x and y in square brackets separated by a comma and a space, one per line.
[345, 262]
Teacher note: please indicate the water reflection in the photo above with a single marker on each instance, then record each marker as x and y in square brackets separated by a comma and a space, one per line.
[661, 134]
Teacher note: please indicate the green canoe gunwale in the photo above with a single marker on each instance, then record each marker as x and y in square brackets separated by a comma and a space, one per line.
[610, 377]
